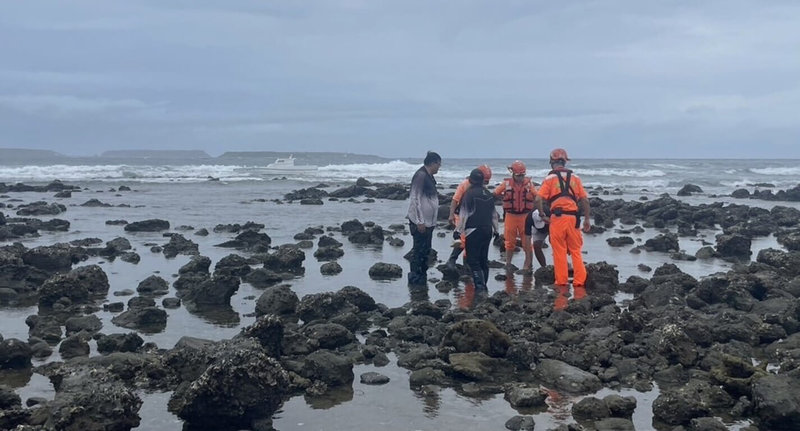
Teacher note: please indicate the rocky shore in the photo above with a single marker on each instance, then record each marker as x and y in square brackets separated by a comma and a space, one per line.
[720, 348]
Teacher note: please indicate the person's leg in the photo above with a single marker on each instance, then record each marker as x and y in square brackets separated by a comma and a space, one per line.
[509, 237]
[574, 245]
[527, 266]
[417, 238]
[426, 250]
[558, 241]
[538, 251]
[473, 259]
[451, 261]
[486, 241]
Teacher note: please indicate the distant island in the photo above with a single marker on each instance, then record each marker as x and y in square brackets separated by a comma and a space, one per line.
[19, 156]
[156, 154]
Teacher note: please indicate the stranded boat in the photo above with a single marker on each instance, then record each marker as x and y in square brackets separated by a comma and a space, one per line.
[287, 166]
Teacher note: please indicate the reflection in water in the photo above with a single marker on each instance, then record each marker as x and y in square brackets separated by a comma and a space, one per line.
[331, 398]
[217, 315]
[563, 293]
[431, 400]
[513, 287]
[560, 406]
[418, 292]
[16, 378]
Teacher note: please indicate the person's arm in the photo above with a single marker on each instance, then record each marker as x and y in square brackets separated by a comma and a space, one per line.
[584, 204]
[538, 202]
[415, 195]
[500, 188]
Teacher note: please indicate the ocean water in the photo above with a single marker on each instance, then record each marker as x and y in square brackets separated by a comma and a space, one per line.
[182, 192]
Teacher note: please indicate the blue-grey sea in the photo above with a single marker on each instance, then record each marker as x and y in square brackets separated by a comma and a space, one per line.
[193, 194]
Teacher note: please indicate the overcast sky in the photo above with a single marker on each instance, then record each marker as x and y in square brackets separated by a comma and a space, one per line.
[605, 78]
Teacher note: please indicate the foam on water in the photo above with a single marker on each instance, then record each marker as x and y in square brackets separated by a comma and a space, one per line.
[778, 170]
[140, 173]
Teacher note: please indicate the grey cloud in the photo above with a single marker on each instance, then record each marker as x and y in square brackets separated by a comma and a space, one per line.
[610, 78]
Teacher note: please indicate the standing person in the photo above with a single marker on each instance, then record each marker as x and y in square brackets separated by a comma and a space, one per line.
[518, 193]
[454, 213]
[564, 193]
[478, 222]
[422, 210]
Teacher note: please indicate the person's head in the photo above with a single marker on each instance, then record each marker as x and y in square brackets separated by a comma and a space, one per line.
[517, 170]
[476, 177]
[558, 157]
[432, 161]
[487, 173]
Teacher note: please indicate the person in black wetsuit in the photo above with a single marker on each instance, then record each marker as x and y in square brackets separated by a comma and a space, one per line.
[478, 222]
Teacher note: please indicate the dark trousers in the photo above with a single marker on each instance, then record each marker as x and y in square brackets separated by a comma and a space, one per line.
[419, 253]
[478, 254]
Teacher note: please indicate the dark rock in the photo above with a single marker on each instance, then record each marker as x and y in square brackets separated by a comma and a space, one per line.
[233, 265]
[329, 335]
[286, 259]
[666, 243]
[196, 264]
[689, 189]
[94, 203]
[279, 300]
[740, 194]
[352, 226]
[385, 271]
[328, 253]
[332, 369]
[262, 278]
[73, 347]
[15, 354]
[171, 303]
[590, 408]
[475, 335]
[88, 324]
[525, 397]
[330, 268]
[150, 225]
[130, 342]
[178, 244]
[146, 319]
[327, 241]
[373, 378]
[242, 385]
[54, 258]
[480, 367]
[78, 285]
[91, 398]
[268, 330]
[249, 240]
[776, 401]
[215, 291]
[620, 241]
[566, 377]
[153, 285]
[619, 406]
[40, 208]
[737, 246]
[521, 423]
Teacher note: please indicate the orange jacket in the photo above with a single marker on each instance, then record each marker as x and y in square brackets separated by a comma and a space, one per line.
[551, 189]
[517, 198]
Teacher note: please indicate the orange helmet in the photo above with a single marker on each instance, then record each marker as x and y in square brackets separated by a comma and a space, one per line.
[487, 172]
[517, 167]
[559, 154]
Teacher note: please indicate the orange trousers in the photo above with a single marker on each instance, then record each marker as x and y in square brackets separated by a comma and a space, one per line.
[513, 228]
[564, 236]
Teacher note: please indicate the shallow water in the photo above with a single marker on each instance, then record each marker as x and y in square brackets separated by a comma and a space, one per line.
[392, 406]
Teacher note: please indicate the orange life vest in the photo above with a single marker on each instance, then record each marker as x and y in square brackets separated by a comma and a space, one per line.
[518, 198]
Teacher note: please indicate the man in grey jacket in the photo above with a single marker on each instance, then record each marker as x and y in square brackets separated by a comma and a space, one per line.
[422, 211]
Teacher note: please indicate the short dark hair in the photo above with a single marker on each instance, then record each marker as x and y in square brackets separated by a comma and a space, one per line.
[476, 177]
[432, 158]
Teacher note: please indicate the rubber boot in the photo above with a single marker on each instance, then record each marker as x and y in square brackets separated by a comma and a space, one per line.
[451, 262]
[479, 280]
